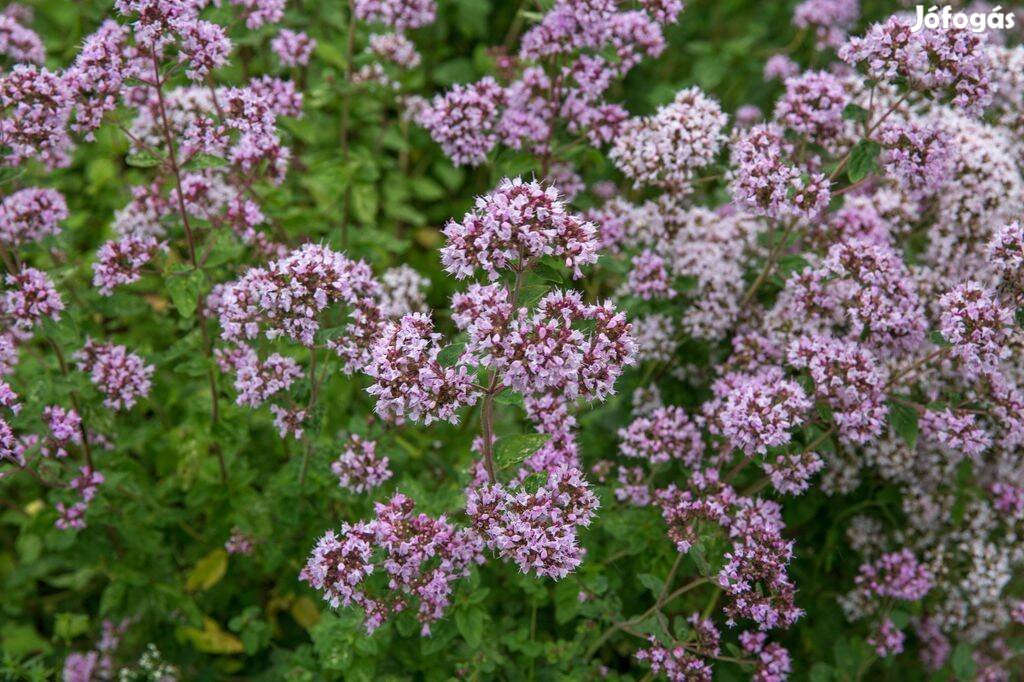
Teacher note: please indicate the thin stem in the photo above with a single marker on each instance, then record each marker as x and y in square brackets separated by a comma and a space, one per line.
[82, 427]
[346, 108]
[487, 411]
[768, 266]
[200, 307]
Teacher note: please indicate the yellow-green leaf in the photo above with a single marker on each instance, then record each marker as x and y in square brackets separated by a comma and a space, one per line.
[208, 571]
[212, 639]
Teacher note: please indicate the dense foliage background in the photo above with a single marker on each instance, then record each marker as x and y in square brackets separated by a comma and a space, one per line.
[194, 541]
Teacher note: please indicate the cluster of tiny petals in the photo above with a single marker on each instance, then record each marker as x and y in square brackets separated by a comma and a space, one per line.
[898, 575]
[289, 421]
[919, 157]
[780, 67]
[831, 19]
[37, 105]
[977, 325]
[791, 474]
[544, 351]
[849, 379]
[123, 377]
[675, 664]
[515, 224]
[422, 558]
[395, 48]
[238, 543]
[536, 530]
[85, 485]
[887, 639]
[934, 60]
[19, 43]
[398, 14]
[813, 105]
[98, 74]
[293, 48]
[257, 380]
[120, 262]
[65, 429]
[757, 411]
[874, 288]
[8, 398]
[665, 149]
[30, 215]
[288, 296]
[755, 574]
[666, 433]
[359, 469]
[463, 120]
[409, 381]
[706, 499]
[29, 299]
[259, 13]
[960, 431]
[204, 47]
[1006, 253]
[765, 182]
[773, 660]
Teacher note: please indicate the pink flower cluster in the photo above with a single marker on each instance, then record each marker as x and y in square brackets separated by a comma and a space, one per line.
[358, 468]
[535, 530]
[122, 377]
[409, 380]
[120, 262]
[29, 299]
[288, 296]
[977, 325]
[513, 226]
[849, 379]
[758, 411]
[766, 182]
[422, 558]
[897, 575]
[398, 14]
[953, 59]
[665, 434]
[31, 215]
[257, 380]
[544, 351]
[666, 148]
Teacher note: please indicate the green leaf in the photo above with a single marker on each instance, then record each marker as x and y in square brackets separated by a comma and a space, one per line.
[195, 366]
[820, 673]
[224, 248]
[963, 662]
[514, 449]
[184, 290]
[855, 112]
[202, 161]
[451, 353]
[863, 160]
[143, 159]
[67, 626]
[509, 398]
[471, 17]
[1019, 316]
[651, 582]
[899, 618]
[904, 421]
[212, 639]
[426, 189]
[936, 337]
[208, 571]
[365, 202]
[470, 623]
